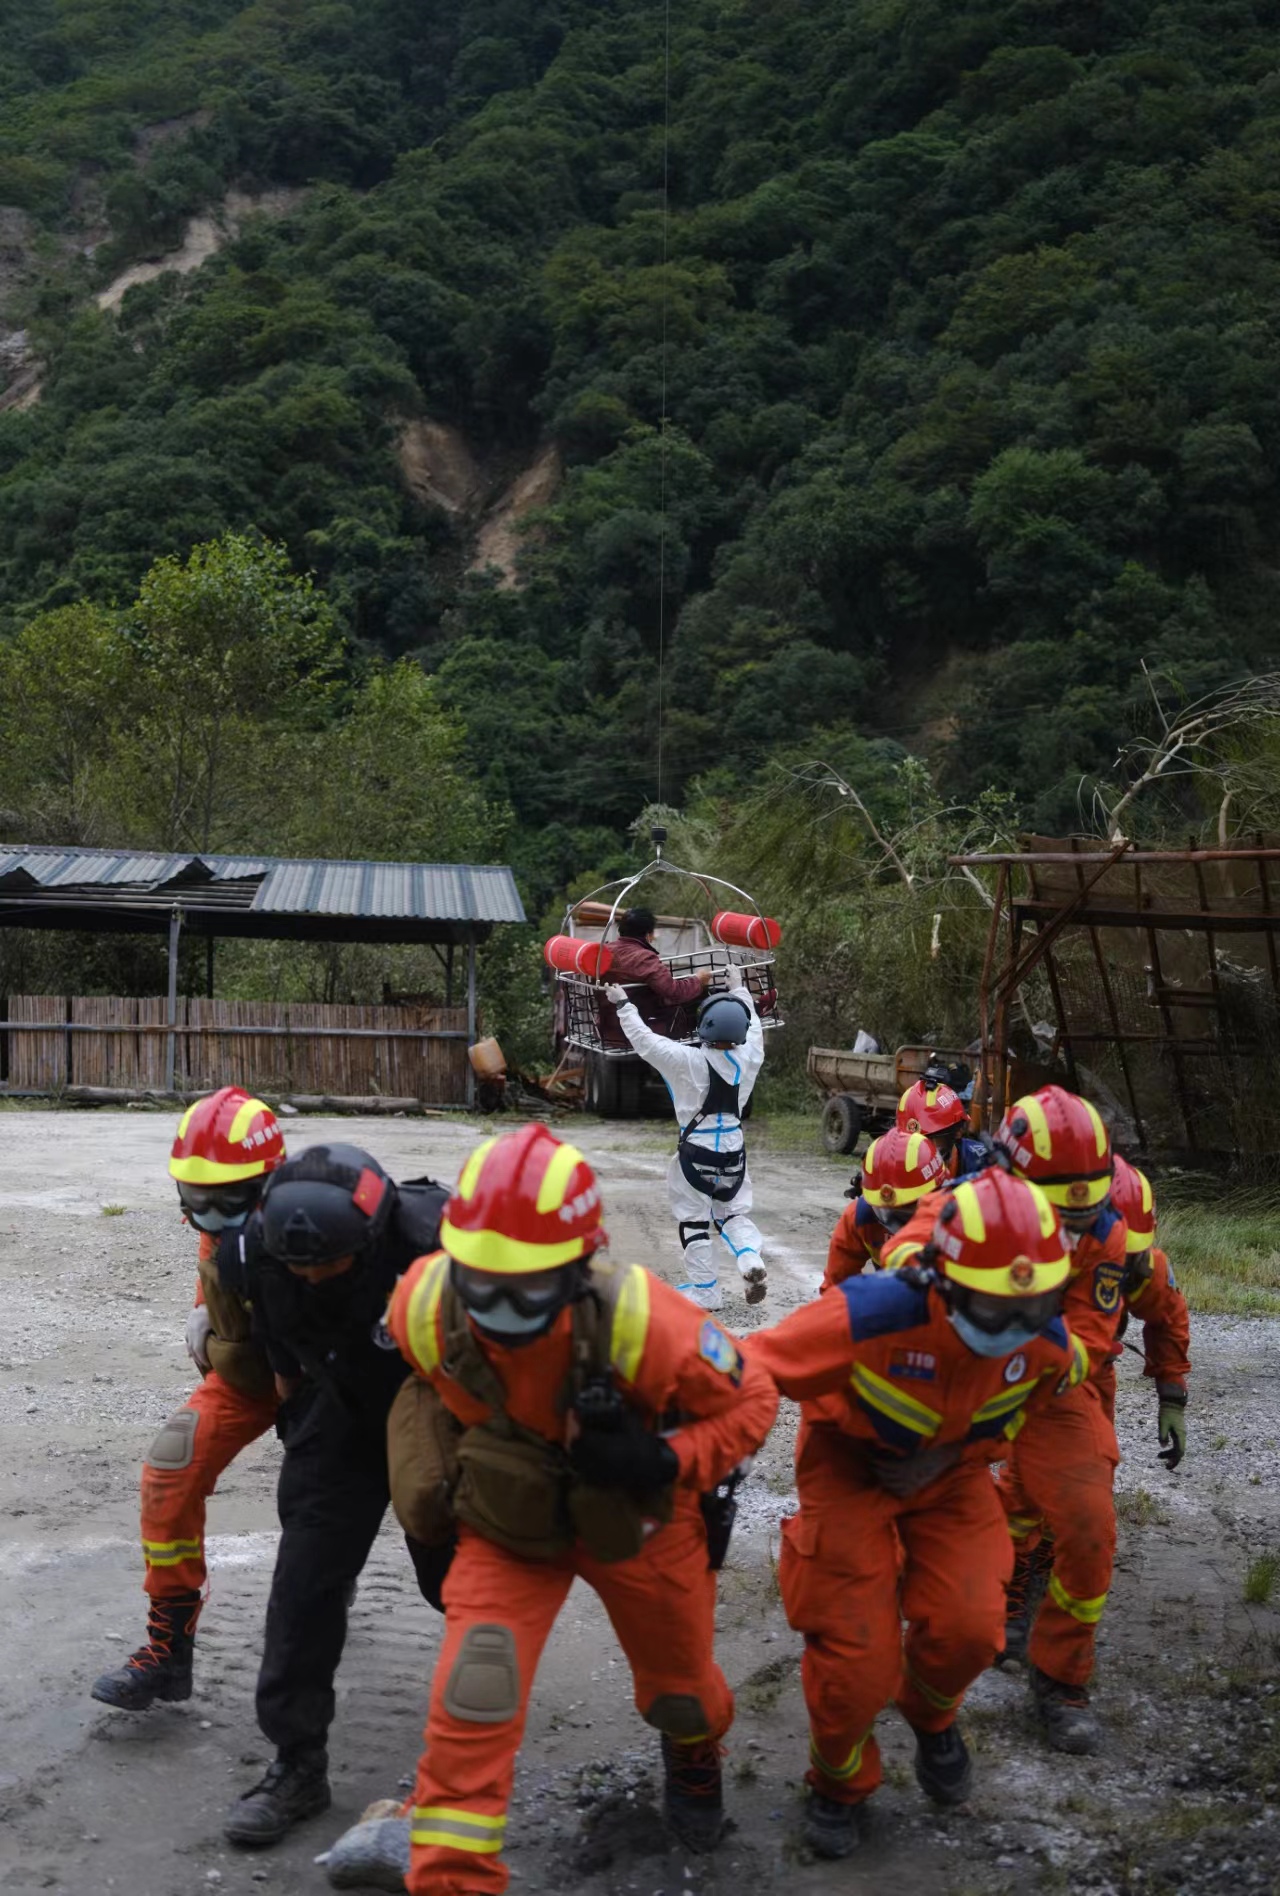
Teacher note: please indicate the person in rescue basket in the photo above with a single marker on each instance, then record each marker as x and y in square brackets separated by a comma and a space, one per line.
[635, 959]
[1061, 1469]
[591, 1408]
[900, 1168]
[909, 1381]
[226, 1147]
[317, 1261]
[707, 1180]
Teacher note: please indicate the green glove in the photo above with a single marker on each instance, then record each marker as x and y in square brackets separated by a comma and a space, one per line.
[1172, 1423]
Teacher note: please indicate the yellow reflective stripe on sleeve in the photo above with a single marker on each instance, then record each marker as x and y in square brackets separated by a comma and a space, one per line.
[939, 1700]
[893, 1259]
[457, 1829]
[1088, 1612]
[839, 1772]
[171, 1553]
[1011, 1398]
[1079, 1371]
[894, 1402]
[424, 1310]
[1015, 1424]
[630, 1324]
[1020, 1525]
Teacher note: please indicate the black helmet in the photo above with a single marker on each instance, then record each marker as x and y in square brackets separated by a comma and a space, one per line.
[332, 1201]
[723, 1021]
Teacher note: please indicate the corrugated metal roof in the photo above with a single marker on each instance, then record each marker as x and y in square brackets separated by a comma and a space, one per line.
[390, 891]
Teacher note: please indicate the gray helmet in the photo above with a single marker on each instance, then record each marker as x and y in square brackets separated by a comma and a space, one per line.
[331, 1201]
[723, 1021]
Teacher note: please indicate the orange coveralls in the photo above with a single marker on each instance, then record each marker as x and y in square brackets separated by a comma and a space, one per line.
[856, 1242]
[668, 1357]
[1161, 1308]
[879, 1370]
[181, 1471]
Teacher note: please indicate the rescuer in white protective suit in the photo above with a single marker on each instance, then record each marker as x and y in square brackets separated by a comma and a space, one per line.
[708, 1180]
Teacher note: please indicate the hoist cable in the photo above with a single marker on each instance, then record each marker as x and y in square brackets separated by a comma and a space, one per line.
[662, 424]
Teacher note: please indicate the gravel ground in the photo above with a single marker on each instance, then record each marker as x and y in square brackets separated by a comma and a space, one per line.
[95, 1277]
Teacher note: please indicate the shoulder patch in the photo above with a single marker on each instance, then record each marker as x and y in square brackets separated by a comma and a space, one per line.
[881, 1304]
[721, 1352]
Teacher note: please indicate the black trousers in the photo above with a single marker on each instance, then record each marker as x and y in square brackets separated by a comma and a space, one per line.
[332, 1496]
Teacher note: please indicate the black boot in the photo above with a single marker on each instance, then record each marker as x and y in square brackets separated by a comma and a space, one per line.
[162, 1668]
[831, 1830]
[944, 1769]
[693, 1797]
[295, 1786]
[1068, 1720]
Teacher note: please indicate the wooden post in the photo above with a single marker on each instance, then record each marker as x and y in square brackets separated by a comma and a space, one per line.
[171, 1043]
[471, 1017]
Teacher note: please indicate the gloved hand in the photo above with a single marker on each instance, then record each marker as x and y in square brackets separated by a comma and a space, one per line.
[1172, 1423]
[629, 1456]
[733, 976]
[199, 1327]
[905, 1475]
[618, 995]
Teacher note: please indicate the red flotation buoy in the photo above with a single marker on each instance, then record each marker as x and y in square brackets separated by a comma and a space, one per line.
[568, 954]
[745, 931]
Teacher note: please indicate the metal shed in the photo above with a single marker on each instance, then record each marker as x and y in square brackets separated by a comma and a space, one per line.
[446, 906]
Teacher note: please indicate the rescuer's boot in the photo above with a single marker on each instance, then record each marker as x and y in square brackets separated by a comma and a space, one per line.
[693, 1796]
[162, 1668]
[373, 1854]
[1021, 1598]
[830, 1829]
[756, 1281]
[294, 1787]
[1068, 1720]
[944, 1769]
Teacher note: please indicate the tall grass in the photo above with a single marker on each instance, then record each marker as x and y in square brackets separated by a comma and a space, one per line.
[1223, 1244]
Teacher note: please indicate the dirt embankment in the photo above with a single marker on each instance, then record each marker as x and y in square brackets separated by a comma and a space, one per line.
[440, 470]
[95, 1278]
[204, 237]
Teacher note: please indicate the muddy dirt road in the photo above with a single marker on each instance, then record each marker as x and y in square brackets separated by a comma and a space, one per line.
[96, 1274]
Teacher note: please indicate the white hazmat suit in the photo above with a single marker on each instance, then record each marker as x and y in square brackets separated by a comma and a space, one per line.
[688, 1072]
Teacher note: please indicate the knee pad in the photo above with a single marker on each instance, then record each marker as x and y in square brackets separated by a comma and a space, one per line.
[677, 1715]
[695, 1234]
[175, 1445]
[484, 1686]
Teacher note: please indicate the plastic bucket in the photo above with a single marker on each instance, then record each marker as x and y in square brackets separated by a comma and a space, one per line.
[488, 1062]
[568, 955]
[745, 931]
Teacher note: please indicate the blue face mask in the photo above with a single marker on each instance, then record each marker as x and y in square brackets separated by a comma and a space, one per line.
[214, 1221]
[505, 1324]
[1015, 1336]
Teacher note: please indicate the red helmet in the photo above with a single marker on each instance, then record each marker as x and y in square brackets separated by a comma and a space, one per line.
[1133, 1198]
[228, 1137]
[1058, 1141]
[900, 1168]
[523, 1203]
[931, 1108]
[1000, 1235]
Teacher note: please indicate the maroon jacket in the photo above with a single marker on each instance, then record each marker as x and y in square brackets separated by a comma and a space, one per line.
[660, 994]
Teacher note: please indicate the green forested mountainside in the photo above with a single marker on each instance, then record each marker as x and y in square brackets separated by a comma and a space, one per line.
[967, 316]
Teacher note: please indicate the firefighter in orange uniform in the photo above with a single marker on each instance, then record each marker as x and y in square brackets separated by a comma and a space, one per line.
[909, 1382]
[226, 1146]
[593, 1407]
[899, 1169]
[1151, 1295]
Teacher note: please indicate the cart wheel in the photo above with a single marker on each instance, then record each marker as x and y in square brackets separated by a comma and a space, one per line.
[841, 1123]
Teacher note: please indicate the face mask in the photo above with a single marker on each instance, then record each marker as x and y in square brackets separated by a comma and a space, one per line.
[214, 1221]
[506, 1324]
[1015, 1336]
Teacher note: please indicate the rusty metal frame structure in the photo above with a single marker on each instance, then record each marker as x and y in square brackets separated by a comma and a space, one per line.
[1094, 905]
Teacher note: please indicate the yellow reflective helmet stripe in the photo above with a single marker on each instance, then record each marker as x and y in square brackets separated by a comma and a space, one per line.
[508, 1257]
[244, 1118]
[457, 1829]
[869, 1158]
[197, 1171]
[470, 1174]
[555, 1180]
[972, 1223]
[895, 1403]
[1037, 1126]
[839, 1773]
[630, 1324]
[185, 1120]
[1088, 1612]
[914, 1142]
[1076, 1194]
[1001, 1283]
[422, 1326]
[1099, 1130]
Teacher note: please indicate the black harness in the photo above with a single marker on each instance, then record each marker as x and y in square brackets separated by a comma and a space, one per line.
[717, 1175]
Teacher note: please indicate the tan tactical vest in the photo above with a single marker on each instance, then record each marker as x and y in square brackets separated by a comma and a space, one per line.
[231, 1351]
[507, 1482]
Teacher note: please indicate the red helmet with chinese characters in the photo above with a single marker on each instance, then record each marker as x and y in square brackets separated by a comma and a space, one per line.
[1133, 1198]
[225, 1139]
[930, 1109]
[524, 1203]
[1000, 1235]
[1059, 1142]
[899, 1168]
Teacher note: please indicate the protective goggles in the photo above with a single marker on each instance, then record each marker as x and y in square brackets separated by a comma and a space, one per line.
[992, 1314]
[535, 1295]
[219, 1207]
[893, 1217]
